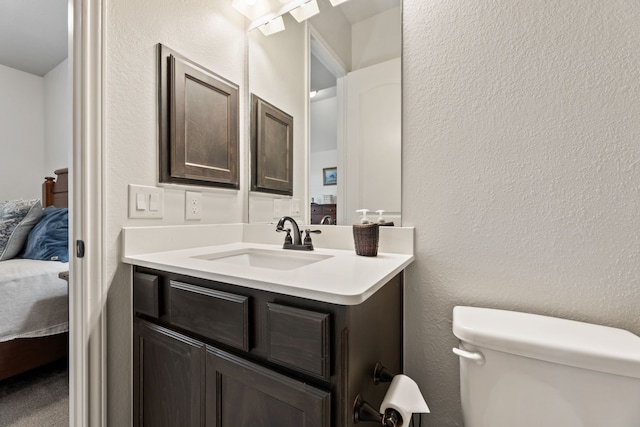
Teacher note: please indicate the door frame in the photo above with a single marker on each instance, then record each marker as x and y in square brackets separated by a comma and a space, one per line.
[87, 295]
[321, 49]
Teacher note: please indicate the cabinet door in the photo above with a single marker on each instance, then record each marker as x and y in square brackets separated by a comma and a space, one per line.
[169, 377]
[243, 394]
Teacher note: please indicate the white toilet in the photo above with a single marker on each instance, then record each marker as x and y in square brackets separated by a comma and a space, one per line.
[526, 370]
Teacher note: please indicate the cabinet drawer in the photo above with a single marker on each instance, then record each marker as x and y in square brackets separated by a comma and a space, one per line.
[315, 209]
[146, 294]
[329, 209]
[299, 339]
[217, 315]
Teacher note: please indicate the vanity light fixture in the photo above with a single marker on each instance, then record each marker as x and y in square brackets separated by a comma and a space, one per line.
[252, 9]
[337, 2]
[267, 14]
[305, 11]
[274, 26]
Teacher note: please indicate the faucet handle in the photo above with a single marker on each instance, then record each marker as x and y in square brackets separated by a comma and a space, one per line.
[307, 238]
[288, 241]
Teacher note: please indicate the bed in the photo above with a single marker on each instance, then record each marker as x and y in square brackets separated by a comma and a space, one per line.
[34, 299]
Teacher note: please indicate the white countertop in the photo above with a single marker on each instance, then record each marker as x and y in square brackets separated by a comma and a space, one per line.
[342, 278]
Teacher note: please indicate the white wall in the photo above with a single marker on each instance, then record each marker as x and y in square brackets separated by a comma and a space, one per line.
[21, 135]
[277, 74]
[335, 30]
[211, 34]
[57, 118]
[377, 39]
[318, 161]
[324, 134]
[521, 169]
[35, 129]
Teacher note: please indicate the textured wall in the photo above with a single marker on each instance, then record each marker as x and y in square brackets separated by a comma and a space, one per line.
[521, 169]
[208, 32]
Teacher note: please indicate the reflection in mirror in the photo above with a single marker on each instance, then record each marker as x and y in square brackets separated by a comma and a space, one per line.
[351, 56]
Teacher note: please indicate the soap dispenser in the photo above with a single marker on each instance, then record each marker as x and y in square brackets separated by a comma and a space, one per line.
[366, 235]
[381, 221]
[364, 219]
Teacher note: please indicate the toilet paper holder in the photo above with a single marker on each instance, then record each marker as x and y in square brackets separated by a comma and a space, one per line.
[381, 374]
[403, 398]
[363, 411]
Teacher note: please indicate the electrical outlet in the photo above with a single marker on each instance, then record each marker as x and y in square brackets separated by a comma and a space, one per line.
[193, 205]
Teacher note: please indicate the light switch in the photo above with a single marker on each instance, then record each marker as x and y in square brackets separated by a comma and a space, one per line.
[145, 201]
[141, 204]
[154, 202]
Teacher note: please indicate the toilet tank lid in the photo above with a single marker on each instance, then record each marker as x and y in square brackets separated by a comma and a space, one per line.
[568, 342]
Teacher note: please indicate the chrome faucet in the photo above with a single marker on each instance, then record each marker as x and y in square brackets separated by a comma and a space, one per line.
[295, 242]
[327, 219]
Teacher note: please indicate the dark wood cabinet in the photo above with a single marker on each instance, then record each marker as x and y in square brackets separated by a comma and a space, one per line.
[244, 394]
[169, 383]
[320, 211]
[213, 354]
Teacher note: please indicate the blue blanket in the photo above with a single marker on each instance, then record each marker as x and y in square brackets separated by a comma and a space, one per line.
[49, 238]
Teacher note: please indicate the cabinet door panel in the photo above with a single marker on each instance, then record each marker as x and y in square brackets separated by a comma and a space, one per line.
[168, 387]
[299, 339]
[240, 393]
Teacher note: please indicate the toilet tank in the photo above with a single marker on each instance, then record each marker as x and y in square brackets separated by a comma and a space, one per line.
[527, 370]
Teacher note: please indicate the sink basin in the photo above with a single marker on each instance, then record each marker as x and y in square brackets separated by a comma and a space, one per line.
[264, 258]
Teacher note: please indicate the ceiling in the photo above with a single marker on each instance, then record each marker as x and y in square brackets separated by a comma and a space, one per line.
[33, 34]
[355, 11]
[359, 10]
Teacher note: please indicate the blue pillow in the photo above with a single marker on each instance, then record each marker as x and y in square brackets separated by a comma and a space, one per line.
[49, 239]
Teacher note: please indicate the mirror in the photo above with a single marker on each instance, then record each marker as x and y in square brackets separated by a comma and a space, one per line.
[347, 137]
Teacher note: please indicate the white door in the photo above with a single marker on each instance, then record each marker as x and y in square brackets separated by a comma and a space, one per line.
[372, 173]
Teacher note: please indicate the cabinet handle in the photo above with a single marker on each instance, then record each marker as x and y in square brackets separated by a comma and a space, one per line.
[474, 356]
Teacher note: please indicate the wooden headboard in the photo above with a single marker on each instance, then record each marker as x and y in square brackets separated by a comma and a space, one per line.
[55, 191]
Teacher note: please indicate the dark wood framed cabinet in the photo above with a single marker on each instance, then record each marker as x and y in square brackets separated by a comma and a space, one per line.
[271, 148]
[218, 355]
[198, 114]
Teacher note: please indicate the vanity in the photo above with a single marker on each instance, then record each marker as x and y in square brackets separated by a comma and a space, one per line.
[244, 333]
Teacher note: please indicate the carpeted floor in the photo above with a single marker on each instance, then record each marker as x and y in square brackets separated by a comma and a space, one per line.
[36, 398]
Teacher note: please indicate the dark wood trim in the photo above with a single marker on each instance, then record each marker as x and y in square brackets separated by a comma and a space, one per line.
[55, 191]
[22, 354]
